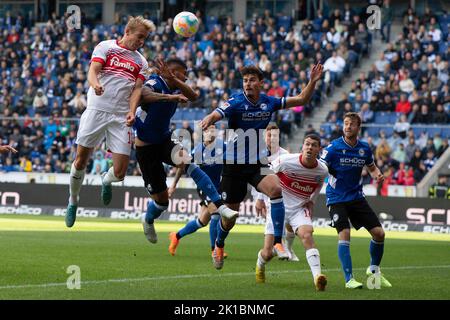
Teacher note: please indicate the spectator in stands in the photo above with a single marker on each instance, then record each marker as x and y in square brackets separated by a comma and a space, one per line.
[441, 189]
[423, 116]
[399, 153]
[430, 160]
[335, 66]
[40, 102]
[402, 126]
[440, 116]
[417, 164]
[403, 106]
[366, 114]
[442, 148]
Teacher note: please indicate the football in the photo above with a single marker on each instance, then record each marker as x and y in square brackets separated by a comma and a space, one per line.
[185, 24]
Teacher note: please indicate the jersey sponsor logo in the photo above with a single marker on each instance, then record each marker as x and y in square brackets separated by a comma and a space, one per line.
[352, 161]
[117, 62]
[298, 186]
[255, 115]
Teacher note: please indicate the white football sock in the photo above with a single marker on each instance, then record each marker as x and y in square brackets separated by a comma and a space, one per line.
[261, 262]
[313, 257]
[110, 177]
[76, 180]
[290, 236]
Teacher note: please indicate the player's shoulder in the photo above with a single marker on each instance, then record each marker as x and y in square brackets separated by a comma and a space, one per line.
[363, 144]
[322, 166]
[153, 81]
[107, 43]
[336, 143]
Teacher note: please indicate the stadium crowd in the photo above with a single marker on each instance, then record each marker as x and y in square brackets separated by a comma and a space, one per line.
[404, 101]
[43, 74]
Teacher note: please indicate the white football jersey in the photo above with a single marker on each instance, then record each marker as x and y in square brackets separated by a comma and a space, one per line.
[299, 184]
[121, 69]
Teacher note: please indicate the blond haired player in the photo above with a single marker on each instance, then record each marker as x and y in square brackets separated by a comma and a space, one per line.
[301, 178]
[116, 74]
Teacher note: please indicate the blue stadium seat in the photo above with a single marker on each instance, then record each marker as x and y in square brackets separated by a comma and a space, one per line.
[382, 117]
[394, 116]
[189, 115]
[432, 131]
[284, 21]
[446, 132]
[211, 22]
[178, 115]
[326, 127]
[373, 131]
[418, 131]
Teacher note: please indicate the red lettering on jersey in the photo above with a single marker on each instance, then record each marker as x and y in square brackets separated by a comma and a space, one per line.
[299, 186]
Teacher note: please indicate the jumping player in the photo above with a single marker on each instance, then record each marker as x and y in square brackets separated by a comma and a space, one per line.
[115, 76]
[248, 113]
[154, 145]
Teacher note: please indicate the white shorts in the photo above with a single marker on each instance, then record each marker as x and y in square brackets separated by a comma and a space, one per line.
[295, 219]
[97, 125]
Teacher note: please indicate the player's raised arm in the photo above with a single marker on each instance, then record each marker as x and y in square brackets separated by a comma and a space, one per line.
[94, 70]
[164, 71]
[210, 119]
[306, 94]
[150, 96]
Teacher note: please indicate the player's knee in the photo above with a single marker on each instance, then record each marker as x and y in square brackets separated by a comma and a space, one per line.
[80, 163]
[378, 234]
[119, 173]
[274, 191]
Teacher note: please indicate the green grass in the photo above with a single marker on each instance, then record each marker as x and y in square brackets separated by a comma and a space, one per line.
[117, 262]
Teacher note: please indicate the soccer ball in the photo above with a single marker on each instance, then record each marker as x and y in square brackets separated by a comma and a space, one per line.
[185, 24]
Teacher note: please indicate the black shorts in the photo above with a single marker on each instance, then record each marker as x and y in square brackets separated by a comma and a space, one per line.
[151, 159]
[358, 212]
[235, 178]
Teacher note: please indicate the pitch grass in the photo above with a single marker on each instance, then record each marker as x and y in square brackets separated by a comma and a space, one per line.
[117, 262]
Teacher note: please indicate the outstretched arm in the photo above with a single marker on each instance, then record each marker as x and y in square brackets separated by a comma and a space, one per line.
[177, 177]
[7, 148]
[149, 96]
[210, 119]
[306, 94]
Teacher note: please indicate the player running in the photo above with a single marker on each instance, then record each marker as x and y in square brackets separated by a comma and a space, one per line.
[207, 152]
[248, 113]
[154, 145]
[301, 178]
[115, 76]
[346, 158]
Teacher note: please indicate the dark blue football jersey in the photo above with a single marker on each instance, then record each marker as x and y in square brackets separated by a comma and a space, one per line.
[210, 160]
[152, 123]
[345, 164]
[248, 121]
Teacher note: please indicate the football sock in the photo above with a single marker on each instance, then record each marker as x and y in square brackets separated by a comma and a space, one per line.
[277, 214]
[110, 177]
[261, 262]
[76, 180]
[376, 253]
[154, 210]
[213, 225]
[189, 228]
[313, 257]
[345, 258]
[221, 235]
[290, 236]
[204, 183]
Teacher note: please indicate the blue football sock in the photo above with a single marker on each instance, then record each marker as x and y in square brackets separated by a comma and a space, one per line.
[189, 228]
[376, 252]
[213, 225]
[154, 210]
[221, 235]
[277, 214]
[345, 258]
[204, 183]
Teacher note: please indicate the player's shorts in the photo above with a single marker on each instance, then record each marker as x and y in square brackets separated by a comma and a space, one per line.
[151, 158]
[97, 125]
[235, 178]
[205, 200]
[358, 212]
[295, 219]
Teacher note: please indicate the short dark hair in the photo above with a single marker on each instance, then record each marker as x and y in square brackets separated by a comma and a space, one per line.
[312, 136]
[177, 61]
[252, 70]
[272, 126]
[353, 116]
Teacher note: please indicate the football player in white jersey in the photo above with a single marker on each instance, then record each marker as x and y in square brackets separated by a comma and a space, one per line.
[301, 177]
[115, 76]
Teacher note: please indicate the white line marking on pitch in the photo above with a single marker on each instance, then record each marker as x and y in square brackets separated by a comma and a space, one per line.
[192, 276]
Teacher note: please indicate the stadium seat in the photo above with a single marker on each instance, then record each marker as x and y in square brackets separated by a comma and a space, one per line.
[284, 21]
[326, 127]
[446, 132]
[434, 130]
[382, 117]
